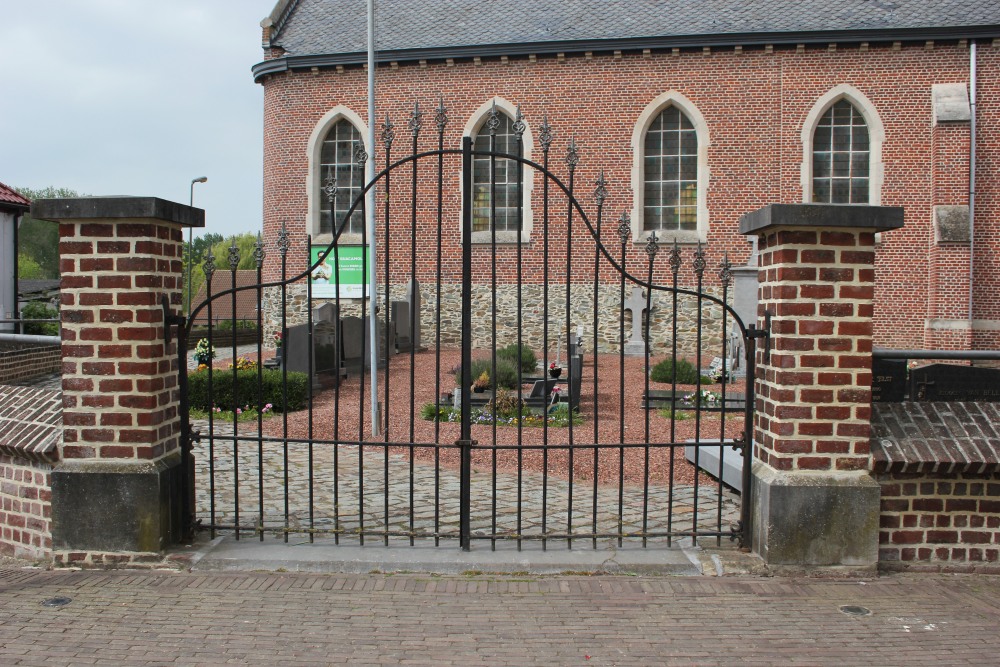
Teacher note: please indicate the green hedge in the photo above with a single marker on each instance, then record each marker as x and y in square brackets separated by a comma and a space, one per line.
[684, 371]
[505, 376]
[525, 356]
[246, 383]
[39, 310]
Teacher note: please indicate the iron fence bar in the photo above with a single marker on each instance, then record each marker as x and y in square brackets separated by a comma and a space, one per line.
[465, 438]
[260, 388]
[675, 265]
[340, 367]
[209, 272]
[571, 161]
[283, 247]
[493, 308]
[519, 131]
[599, 194]
[362, 157]
[415, 127]
[962, 355]
[187, 443]
[234, 258]
[623, 231]
[724, 277]
[478, 447]
[746, 499]
[699, 269]
[545, 138]
[387, 137]
[442, 120]
[645, 374]
[309, 389]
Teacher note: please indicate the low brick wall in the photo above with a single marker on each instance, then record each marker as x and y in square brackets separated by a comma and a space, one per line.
[24, 361]
[938, 465]
[30, 432]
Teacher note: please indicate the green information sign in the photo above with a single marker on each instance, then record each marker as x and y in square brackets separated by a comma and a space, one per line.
[353, 281]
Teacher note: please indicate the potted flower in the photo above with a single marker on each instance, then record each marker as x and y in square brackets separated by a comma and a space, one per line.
[204, 352]
[556, 393]
[278, 339]
[555, 370]
[481, 383]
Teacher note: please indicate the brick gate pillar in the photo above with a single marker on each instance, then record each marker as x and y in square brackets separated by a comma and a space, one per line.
[815, 502]
[117, 486]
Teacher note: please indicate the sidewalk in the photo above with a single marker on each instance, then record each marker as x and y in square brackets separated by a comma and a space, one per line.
[199, 618]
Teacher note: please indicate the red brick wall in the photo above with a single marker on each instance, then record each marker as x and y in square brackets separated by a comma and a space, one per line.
[754, 102]
[25, 508]
[946, 521]
[28, 362]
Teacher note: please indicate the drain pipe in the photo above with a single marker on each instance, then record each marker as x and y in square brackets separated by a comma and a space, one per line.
[972, 176]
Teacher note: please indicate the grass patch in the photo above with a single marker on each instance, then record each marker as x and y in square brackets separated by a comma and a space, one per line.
[676, 415]
[245, 414]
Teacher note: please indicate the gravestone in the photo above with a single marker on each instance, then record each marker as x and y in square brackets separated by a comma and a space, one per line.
[352, 344]
[636, 303]
[383, 343]
[296, 349]
[401, 321]
[888, 380]
[325, 347]
[708, 460]
[413, 299]
[947, 382]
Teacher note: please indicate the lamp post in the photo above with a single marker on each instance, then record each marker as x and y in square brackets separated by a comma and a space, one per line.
[200, 179]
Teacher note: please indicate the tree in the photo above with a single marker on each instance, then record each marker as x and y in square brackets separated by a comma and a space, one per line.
[28, 268]
[219, 247]
[38, 240]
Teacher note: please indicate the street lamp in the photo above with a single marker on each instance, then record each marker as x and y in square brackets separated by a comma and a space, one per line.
[200, 179]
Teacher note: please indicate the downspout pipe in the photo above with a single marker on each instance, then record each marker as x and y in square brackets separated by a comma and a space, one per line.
[972, 180]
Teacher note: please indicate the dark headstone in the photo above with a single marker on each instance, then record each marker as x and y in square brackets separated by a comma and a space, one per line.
[401, 319]
[296, 349]
[352, 346]
[413, 299]
[947, 382]
[888, 380]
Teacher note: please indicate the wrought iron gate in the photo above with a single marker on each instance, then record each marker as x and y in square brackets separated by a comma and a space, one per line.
[593, 453]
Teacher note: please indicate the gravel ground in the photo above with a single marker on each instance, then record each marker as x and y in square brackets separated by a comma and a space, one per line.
[540, 449]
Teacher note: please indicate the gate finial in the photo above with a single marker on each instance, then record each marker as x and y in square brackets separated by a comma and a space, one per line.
[624, 227]
[545, 134]
[360, 154]
[725, 271]
[234, 256]
[284, 243]
[258, 252]
[494, 121]
[699, 260]
[675, 258]
[441, 117]
[601, 189]
[330, 189]
[572, 156]
[416, 119]
[652, 246]
[208, 268]
[388, 133]
[519, 125]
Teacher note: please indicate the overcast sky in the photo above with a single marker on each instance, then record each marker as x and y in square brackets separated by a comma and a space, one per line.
[136, 97]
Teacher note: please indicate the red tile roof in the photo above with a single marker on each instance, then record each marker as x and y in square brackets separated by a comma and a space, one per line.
[222, 306]
[11, 198]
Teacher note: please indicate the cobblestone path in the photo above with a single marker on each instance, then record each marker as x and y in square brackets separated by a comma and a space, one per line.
[391, 500]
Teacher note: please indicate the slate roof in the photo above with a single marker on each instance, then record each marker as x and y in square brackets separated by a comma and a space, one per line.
[936, 437]
[313, 27]
[30, 422]
[11, 199]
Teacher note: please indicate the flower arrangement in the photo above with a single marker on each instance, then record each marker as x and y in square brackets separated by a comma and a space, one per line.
[204, 352]
[278, 339]
[555, 370]
[704, 397]
[243, 364]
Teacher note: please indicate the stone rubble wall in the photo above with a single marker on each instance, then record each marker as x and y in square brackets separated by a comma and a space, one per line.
[532, 320]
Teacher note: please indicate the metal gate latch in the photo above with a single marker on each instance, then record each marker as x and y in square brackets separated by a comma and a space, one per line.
[169, 319]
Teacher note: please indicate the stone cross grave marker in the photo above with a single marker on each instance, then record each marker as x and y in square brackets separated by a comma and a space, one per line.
[636, 303]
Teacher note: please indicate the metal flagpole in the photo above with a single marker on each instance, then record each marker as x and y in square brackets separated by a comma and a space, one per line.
[370, 208]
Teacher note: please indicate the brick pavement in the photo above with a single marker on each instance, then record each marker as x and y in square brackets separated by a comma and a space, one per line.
[179, 618]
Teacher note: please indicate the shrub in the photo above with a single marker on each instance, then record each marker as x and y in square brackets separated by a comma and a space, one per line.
[227, 325]
[246, 385]
[39, 310]
[669, 370]
[505, 405]
[505, 376]
[524, 356]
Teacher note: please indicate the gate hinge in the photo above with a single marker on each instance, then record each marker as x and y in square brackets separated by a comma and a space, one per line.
[169, 319]
[466, 443]
[764, 333]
